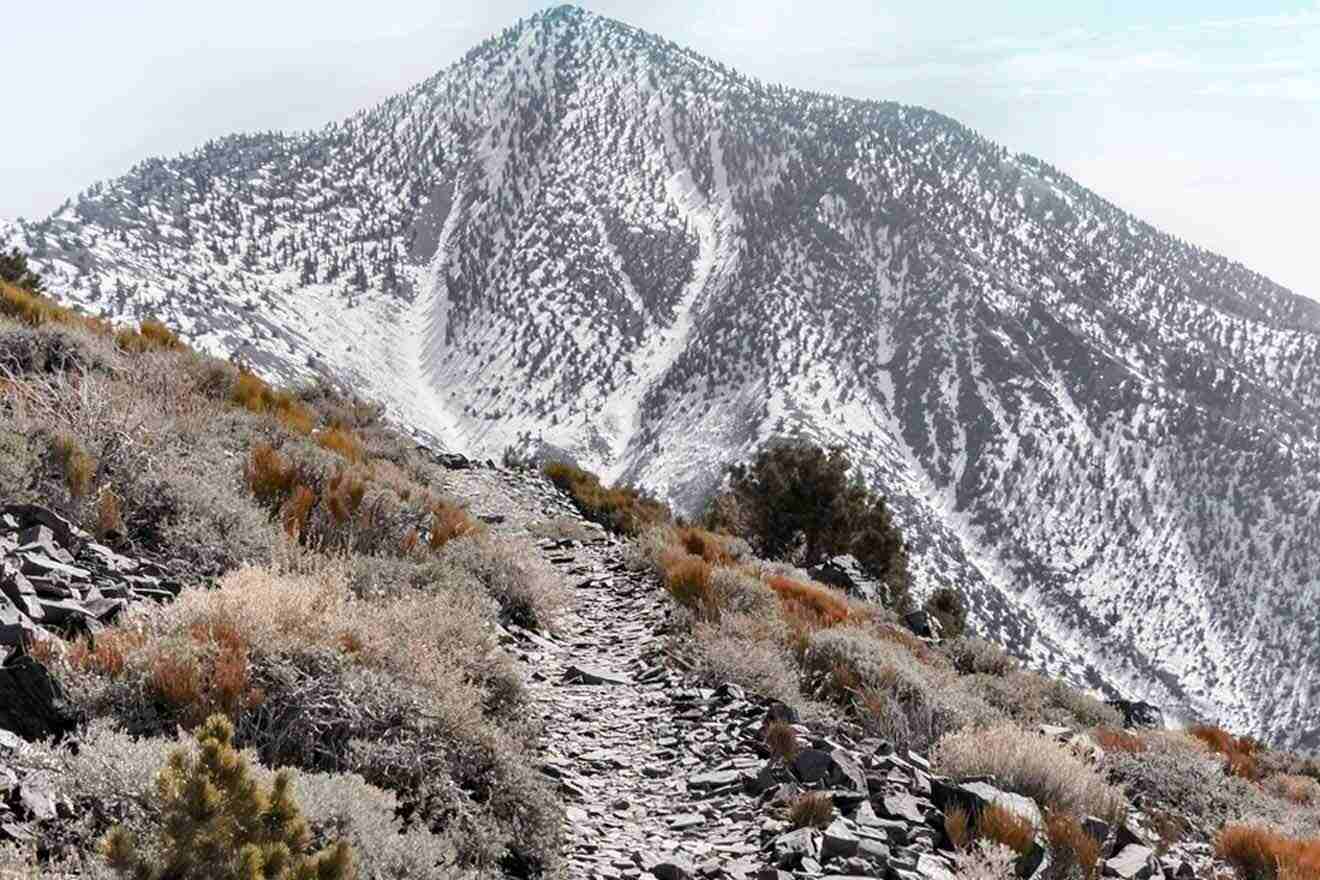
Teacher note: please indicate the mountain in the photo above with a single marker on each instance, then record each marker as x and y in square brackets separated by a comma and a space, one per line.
[585, 237]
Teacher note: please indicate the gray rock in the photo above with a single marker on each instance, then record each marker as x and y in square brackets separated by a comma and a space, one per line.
[845, 772]
[32, 704]
[593, 675]
[933, 868]
[922, 624]
[791, 848]
[846, 573]
[902, 806]
[812, 765]
[1137, 714]
[838, 841]
[37, 802]
[714, 779]
[1133, 862]
[673, 868]
[873, 851]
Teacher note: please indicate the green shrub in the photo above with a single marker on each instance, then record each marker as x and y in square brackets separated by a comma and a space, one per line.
[803, 503]
[218, 822]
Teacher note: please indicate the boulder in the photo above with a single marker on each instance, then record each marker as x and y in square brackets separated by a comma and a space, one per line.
[65, 533]
[32, 703]
[791, 848]
[846, 573]
[1137, 714]
[838, 841]
[923, 624]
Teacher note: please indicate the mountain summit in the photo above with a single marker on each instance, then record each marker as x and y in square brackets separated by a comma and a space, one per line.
[586, 237]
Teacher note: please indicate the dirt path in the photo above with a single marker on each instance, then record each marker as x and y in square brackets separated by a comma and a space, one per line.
[650, 768]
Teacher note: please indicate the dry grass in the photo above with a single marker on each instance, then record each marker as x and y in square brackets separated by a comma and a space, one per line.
[815, 605]
[958, 827]
[624, 509]
[1113, 740]
[687, 578]
[781, 739]
[1238, 752]
[1004, 826]
[1301, 790]
[150, 336]
[38, 311]
[1258, 853]
[1032, 765]
[77, 468]
[449, 521]
[811, 810]
[1073, 850]
[343, 443]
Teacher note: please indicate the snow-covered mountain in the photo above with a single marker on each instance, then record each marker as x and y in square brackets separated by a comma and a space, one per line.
[586, 236]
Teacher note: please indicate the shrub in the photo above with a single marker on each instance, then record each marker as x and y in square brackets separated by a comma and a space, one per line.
[814, 605]
[1298, 789]
[270, 477]
[735, 590]
[1238, 752]
[343, 443]
[150, 336]
[218, 822]
[528, 590]
[798, 497]
[623, 509]
[974, 656]
[449, 521]
[1258, 853]
[781, 740]
[958, 828]
[1072, 849]
[946, 605]
[814, 809]
[109, 515]
[77, 469]
[1182, 781]
[986, 861]
[14, 269]
[748, 650]
[1112, 740]
[687, 579]
[1004, 826]
[1031, 699]
[1032, 765]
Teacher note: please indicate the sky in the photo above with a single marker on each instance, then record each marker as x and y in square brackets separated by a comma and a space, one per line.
[1200, 116]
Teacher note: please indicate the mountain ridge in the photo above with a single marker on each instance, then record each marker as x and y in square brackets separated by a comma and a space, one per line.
[584, 237]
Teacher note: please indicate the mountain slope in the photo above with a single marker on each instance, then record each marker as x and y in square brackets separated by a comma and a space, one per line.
[584, 236]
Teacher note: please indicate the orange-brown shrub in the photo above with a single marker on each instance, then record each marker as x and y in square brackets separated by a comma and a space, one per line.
[211, 675]
[814, 810]
[1002, 825]
[958, 828]
[107, 654]
[687, 578]
[708, 545]
[1112, 740]
[76, 467]
[253, 394]
[449, 521]
[36, 310]
[109, 515]
[269, 475]
[344, 494]
[1258, 853]
[150, 336]
[624, 509]
[811, 603]
[1071, 846]
[781, 740]
[343, 443]
[295, 510]
[1239, 752]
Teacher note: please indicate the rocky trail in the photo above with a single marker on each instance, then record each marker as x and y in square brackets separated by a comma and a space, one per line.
[664, 777]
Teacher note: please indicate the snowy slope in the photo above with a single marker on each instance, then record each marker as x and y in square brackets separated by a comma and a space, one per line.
[585, 236]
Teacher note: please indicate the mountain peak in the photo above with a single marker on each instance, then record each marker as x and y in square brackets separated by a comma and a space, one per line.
[645, 262]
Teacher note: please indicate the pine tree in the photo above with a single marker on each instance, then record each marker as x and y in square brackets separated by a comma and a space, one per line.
[220, 823]
[14, 269]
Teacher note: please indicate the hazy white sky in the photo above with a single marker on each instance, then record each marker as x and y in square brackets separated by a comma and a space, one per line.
[1202, 116]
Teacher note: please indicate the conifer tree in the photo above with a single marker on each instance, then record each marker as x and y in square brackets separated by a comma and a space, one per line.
[14, 269]
[219, 823]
